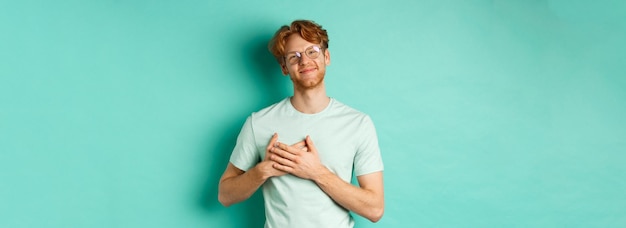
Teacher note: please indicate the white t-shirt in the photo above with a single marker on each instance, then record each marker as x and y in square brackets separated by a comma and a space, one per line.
[345, 139]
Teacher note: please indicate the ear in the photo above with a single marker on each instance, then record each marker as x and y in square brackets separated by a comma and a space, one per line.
[326, 56]
[283, 68]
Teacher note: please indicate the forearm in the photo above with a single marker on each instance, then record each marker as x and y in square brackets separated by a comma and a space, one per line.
[364, 202]
[238, 188]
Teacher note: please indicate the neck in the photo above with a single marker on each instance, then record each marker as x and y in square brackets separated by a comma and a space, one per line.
[310, 101]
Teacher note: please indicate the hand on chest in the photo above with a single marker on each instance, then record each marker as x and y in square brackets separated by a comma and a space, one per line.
[336, 144]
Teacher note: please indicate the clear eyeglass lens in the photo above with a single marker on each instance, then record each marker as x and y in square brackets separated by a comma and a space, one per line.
[311, 52]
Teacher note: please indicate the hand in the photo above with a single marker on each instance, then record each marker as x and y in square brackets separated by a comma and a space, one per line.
[304, 163]
[267, 166]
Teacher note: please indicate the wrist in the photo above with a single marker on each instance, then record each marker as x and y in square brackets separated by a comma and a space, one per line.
[321, 174]
[260, 171]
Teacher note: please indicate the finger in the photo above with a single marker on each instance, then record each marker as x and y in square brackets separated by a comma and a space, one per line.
[272, 141]
[310, 145]
[282, 153]
[276, 171]
[300, 145]
[289, 149]
[283, 168]
[270, 145]
[282, 160]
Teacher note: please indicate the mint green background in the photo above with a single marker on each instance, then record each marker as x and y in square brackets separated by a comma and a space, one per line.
[489, 113]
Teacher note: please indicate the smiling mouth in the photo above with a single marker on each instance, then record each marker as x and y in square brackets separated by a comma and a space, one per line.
[308, 70]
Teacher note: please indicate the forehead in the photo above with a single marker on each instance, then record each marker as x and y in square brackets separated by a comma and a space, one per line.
[296, 43]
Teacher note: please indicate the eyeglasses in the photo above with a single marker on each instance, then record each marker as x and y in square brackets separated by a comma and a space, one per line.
[312, 52]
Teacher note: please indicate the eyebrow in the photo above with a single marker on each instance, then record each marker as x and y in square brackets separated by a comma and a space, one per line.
[304, 49]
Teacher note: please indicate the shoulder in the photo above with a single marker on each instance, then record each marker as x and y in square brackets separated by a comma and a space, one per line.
[344, 110]
[270, 111]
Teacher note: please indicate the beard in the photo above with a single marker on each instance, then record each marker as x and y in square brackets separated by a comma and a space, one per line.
[309, 82]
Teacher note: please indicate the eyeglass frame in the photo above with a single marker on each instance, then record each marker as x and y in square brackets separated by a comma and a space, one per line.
[299, 54]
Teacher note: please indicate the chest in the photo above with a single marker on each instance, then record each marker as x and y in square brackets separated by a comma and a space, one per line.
[336, 140]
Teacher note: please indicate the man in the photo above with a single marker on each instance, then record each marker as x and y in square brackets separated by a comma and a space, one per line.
[306, 184]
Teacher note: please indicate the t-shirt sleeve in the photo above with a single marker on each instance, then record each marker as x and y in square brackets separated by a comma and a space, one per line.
[245, 154]
[368, 158]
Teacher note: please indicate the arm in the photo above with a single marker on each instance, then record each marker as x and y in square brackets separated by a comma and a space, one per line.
[366, 200]
[236, 185]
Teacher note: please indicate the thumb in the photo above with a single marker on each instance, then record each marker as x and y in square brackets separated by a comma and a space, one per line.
[271, 144]
[272, 141]
[310, 145]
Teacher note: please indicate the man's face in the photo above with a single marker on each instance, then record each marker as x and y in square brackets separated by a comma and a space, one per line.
[306, 72]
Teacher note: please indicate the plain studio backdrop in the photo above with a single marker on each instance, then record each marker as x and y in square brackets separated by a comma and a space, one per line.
[490, 113]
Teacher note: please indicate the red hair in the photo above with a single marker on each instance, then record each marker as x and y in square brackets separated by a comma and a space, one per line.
[308, 30]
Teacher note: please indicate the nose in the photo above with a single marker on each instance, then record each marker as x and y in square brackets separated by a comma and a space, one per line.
[302, 61]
